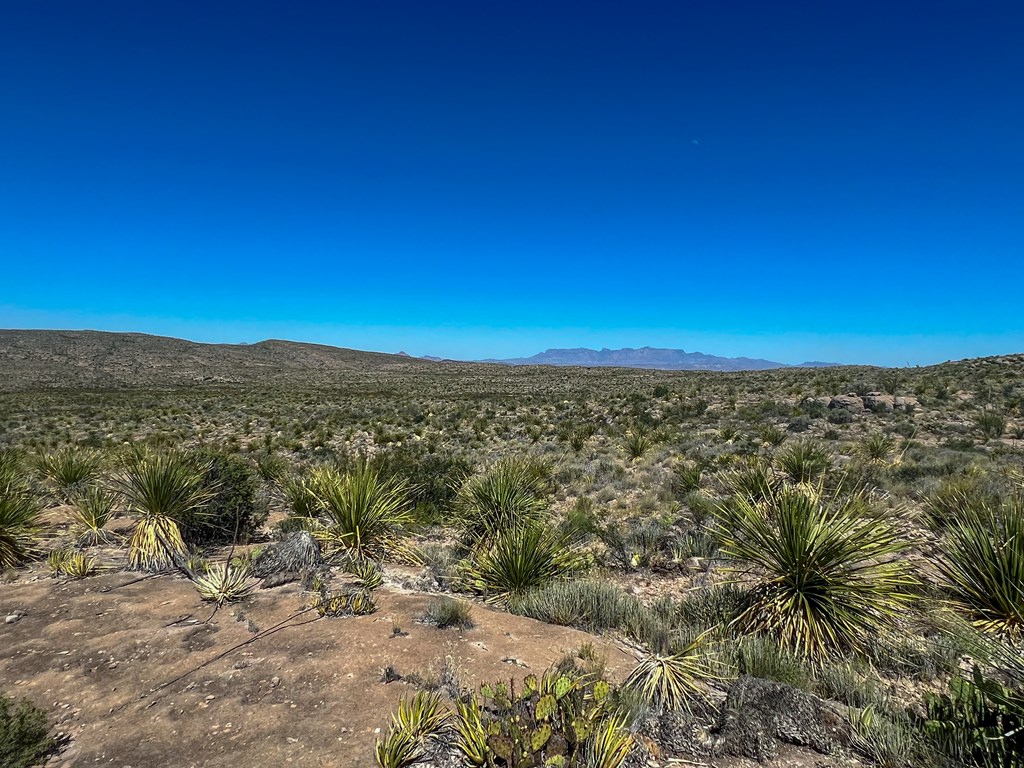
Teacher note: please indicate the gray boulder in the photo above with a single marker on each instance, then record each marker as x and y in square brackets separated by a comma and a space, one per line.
[758, 714]
[849, 402]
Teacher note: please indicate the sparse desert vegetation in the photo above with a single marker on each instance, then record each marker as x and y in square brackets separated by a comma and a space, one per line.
[529, 566]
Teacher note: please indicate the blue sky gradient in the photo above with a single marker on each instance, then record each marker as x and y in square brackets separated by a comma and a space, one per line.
[792, 180]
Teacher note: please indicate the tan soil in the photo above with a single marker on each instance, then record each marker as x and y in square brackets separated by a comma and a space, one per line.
[307, 695]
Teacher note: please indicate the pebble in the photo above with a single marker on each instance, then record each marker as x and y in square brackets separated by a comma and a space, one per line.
[12, 619]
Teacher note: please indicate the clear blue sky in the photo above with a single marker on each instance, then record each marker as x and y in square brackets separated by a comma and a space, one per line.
[792, 180]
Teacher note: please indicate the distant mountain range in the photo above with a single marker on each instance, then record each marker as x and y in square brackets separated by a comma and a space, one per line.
[651, 357]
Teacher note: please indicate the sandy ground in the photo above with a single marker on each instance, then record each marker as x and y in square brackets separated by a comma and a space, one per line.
[100, 656]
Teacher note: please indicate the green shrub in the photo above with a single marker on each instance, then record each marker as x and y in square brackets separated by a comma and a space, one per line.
[444, 612]
[433, 477]
[235, 511]
[24, 734]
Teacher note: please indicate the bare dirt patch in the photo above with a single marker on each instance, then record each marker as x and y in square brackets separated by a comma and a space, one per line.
[98, 654]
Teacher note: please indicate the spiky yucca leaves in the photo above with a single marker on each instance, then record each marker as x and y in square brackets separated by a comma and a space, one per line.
[755, 481]
[20, 524]
[982, 565]
[638, 442]
[512, 493]
[520, 559]
[826, 574]
[609, 745]
[677, 680]
[162, 488]
[417, 718]
[70, 563]
[68, 470]
[224, 583]
[877, 447]
[91, 512]
[11, 471]
[804, 461]
[361, 510]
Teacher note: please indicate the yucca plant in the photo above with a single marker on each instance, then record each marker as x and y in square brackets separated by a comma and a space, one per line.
[11, 471]
[771, 434]
[638, 442]
[754, 481]
[20, 524]
[417, 718]
[686, 478]
[609, 745]
[162, 488]
[512, 493]
[804, 461]
[224, 583]
[826, 574]
[70, 563]
[68, 470]
[877, 447]
[676, 680]
[982, 565]
[360, 510]
[520, 559]
[90, 514]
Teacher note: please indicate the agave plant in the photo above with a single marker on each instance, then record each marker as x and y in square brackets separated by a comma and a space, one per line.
[68, 470]
[826, 574]
[512, 493]
[983, 565]
[162, 488]
[361, 510]
[520, 559]
[20, 524]
[90, 514]
[224, 583]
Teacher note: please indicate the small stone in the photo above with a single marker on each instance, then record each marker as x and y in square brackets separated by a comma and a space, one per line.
[275, 681]
[12, 619]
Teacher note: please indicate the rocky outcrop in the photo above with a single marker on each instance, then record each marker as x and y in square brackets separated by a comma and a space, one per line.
[850, 402]
[878, 402]
[758, 714]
